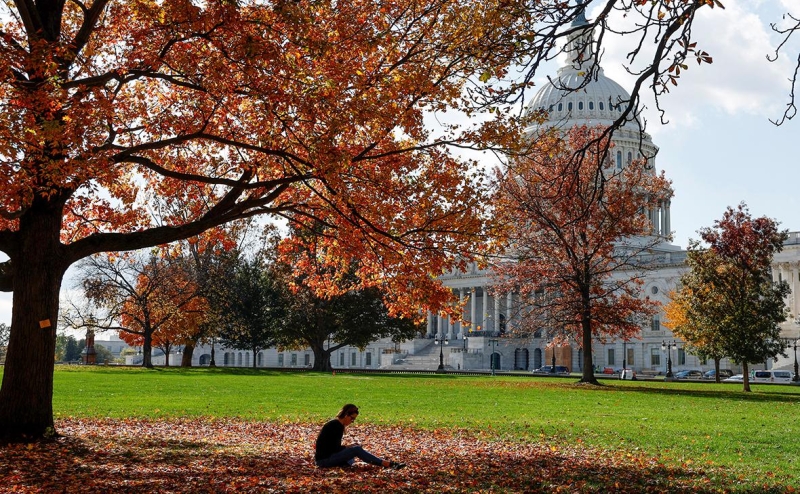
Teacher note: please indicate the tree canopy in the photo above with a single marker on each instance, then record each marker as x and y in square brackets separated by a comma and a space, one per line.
[576, 239]
[313, 111]
[728, 303]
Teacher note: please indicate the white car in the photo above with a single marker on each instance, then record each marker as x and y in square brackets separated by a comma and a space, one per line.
[736, 378]
[770, 376]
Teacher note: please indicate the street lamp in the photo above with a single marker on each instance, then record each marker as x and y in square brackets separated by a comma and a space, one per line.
[624, 356]
[795, 378]
[493, 342]
[441, 340]
[669, 347]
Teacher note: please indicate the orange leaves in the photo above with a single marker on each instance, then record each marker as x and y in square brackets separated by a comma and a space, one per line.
[225, 455]
[566, 214]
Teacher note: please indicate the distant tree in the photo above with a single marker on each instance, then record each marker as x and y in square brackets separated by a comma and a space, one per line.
[685, 320]
[103, 354]
[249, 306]
[72, 349]
[575, 239]
[728, 296]
[137, 296]
[346, 314]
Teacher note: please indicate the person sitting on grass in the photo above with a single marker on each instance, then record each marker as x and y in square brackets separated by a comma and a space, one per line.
[331, 453]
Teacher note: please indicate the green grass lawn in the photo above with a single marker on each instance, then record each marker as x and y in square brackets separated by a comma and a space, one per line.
[751, 436]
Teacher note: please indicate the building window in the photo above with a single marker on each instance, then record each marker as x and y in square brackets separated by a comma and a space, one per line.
[630, 357]
[280, 360]
[619, 160]
[239, 359]
[353, 359]
[560, 106]
[655, 357]
[591, 105]
[655, 324]
[569, 106]
[681, 356]
[341, 359]
[368, 359]
[611, 356]
[306, 360]
[294, 359]
[580, 105]
[600, 105]
[630, 157]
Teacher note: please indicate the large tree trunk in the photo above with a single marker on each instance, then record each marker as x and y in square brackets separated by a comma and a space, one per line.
[716, 371]
[38, 266]
[588, 366]
[322, 358]
[147, 349]
[188, 353]
[745, 378]
[586, 326]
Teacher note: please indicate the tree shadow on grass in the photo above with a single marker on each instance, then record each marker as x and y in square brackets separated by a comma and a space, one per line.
[195, 456]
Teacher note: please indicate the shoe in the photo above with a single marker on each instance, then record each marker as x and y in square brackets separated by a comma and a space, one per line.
[394, 465]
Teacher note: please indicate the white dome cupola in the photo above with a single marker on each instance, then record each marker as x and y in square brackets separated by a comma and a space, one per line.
[581, 94]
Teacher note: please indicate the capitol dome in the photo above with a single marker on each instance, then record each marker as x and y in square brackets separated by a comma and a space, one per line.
[581, 94]
[599, 102]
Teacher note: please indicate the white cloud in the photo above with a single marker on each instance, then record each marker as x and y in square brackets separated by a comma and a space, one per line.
[740, 79]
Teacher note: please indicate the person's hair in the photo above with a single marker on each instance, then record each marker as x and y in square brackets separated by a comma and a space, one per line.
[346, 410]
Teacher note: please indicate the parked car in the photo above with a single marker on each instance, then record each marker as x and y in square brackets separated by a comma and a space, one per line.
[689, 374]
[723, 374]
[770, 376]
[548, 369]
[736, 378]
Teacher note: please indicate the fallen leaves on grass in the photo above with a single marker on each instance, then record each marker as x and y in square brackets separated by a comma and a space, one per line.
[198, 456]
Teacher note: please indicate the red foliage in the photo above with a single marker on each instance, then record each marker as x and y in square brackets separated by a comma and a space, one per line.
[575, 232]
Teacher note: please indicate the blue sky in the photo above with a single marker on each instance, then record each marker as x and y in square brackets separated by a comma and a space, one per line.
[719, 147]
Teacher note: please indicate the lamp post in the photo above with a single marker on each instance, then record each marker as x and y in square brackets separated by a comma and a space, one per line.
[493, 342]
[552, 344]
[441, 340]
[669, 347]
[624, 356]
[795, 377]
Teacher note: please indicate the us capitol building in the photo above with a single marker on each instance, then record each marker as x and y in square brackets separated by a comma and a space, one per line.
[482, 341]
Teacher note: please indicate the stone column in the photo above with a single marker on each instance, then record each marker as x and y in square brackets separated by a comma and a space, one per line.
[497, 313]
[430, 324]
[461, 296]
[793, 284]
[473, 307]
[485, 311]
[509, 309]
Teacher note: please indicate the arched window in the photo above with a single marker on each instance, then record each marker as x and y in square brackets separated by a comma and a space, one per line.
[630, 157]
[569, 106]
[560, 106]
[591, 105]
[601, 106]
[580, 105]
[619, 160]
